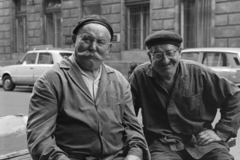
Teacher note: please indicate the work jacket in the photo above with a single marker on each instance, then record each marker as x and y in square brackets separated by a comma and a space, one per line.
[65, 119]
[177, 117]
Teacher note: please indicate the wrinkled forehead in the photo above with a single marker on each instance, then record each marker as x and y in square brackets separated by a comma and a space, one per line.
[95, 30]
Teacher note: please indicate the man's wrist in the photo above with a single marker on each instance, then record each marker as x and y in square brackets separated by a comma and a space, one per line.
[62, 157]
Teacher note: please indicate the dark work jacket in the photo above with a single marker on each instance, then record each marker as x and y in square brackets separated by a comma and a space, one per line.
[64, 119]
[191, 107]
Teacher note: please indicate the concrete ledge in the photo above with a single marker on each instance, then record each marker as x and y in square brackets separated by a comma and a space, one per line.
[23, 155]
[13, 134]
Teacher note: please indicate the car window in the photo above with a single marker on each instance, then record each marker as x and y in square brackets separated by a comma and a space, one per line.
[236, 61]
[223, 62]
[45, 58]
[215, 59]
[65, 55]
[30, 58]
[191, 56]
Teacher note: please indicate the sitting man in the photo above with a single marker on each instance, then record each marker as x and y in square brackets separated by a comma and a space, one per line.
[179, 100]
[81, 109]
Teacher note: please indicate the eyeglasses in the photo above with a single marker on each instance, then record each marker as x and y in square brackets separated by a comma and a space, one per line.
[160, 55]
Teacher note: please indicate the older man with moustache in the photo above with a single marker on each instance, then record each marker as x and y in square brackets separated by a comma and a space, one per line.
[81, 109]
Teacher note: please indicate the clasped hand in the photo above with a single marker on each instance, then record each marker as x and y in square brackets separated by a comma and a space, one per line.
[207, 136]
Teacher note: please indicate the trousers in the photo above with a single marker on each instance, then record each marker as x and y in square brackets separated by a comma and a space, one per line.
[161, 151]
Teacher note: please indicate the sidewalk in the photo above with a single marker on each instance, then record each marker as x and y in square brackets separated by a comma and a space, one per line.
[13, 134]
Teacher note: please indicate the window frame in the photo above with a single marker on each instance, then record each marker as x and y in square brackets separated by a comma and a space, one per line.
[142, 29]
[54, 12]
[20, 14]
[91, 3]
[203, 34]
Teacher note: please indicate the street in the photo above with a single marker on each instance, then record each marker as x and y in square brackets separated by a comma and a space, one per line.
[16, 102]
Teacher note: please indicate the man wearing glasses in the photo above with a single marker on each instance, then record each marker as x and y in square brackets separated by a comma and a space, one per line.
[179, 100]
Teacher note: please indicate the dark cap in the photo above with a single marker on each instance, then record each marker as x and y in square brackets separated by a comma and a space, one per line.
[163, 37]
[93, 19]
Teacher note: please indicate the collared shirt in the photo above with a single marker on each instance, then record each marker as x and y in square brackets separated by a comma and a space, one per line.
[178, 117]
[92, 84]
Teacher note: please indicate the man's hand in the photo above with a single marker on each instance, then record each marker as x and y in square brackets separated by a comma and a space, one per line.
[132, 157]
[63, 157]
[207, 136]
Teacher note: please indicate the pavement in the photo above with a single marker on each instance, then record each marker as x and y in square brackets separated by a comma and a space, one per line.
[13, 134]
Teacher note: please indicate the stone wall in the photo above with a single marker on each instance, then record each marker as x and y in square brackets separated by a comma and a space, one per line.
[164, 15]
[5, 26]
[112, 10]
[71, 12]
[35, 26]
[227, 23]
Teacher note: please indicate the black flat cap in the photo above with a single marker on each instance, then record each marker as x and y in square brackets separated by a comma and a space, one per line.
[93, 19]
[163, 37]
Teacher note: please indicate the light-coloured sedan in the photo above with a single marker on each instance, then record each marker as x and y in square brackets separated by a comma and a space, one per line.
[33, 64]
[225, 61]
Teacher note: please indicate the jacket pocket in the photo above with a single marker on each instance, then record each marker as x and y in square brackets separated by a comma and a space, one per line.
[193, 106]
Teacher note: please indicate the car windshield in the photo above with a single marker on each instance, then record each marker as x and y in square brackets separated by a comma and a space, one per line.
[190, 56]
[65, 55]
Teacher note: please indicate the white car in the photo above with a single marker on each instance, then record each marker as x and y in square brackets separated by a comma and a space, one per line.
[225, 61]
[33, 64]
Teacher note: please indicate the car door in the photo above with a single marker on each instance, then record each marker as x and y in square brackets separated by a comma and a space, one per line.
[44, 62]
[218, 61]
[24, 72]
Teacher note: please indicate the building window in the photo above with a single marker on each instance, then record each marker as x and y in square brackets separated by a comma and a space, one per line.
[21, 5]
[53, 23]
[137, 26]
[20, 29]
[197, 17]
[91, 7]
[53, 4]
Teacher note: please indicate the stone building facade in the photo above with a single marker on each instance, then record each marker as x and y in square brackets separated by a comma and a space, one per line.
[202, 23]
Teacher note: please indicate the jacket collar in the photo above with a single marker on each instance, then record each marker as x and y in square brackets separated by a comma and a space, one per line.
[74, 72]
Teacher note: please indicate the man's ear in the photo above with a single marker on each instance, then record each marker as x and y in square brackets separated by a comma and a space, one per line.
[74, 37]
[149, 55]
[180, 52]
[109, 47]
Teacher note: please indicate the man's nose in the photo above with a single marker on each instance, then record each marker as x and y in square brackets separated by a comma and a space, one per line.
[165, 59]
[93, 45]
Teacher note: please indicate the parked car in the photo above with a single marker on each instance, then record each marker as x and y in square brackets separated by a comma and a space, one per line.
[33, 64]
[225, 61]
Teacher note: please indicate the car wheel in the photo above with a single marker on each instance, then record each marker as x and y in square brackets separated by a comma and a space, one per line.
[8, 85]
